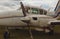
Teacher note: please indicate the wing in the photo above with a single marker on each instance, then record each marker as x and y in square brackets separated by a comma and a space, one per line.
[56, 22]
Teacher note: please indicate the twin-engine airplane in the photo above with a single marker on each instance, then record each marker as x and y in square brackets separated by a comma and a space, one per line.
[19, 18]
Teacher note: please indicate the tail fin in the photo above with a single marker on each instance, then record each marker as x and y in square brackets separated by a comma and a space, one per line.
[23, 9]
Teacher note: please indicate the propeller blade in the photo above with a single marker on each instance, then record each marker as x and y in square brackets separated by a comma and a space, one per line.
[23, 9]
[57, 15]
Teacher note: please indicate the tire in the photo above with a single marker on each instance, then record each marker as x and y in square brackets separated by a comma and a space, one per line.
[51, 32]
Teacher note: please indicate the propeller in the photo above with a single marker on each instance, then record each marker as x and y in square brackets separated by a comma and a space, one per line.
[26, 20]
[57, 15]
[23, 9]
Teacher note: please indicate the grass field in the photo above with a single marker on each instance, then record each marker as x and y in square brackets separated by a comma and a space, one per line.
[24, 34]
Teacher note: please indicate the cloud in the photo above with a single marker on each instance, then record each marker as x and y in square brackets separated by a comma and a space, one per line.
[44, 3]
[10, 4]
[4, 8]
[14, 4]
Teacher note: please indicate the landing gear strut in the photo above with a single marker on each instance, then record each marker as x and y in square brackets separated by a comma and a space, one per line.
[6, 33]
[51, 31]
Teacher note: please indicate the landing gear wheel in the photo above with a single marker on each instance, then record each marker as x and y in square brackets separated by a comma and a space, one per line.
[51, 32]
[51, 29]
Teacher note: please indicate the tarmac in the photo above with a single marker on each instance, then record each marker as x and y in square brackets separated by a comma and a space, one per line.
[24, 34]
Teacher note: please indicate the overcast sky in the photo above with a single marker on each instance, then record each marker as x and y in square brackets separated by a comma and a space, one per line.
[14, 4]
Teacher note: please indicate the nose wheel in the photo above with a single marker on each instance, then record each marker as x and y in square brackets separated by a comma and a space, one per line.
[6, 33]
[51, 31]
[28, 24]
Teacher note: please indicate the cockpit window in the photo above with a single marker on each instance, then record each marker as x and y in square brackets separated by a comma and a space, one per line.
[40, 6]
[33, 10]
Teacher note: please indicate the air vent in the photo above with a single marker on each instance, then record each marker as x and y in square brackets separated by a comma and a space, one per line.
[34, 18]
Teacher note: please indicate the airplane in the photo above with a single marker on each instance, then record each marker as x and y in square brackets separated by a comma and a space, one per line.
[19, 18]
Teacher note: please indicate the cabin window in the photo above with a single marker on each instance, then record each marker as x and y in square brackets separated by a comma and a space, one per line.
[41, 12]
[36, 11]
[45, 13]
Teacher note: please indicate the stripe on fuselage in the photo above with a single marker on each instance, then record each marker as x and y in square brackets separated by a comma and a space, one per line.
[10, 17]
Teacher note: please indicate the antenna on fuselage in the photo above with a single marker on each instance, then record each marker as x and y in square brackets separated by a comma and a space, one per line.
[23, 9]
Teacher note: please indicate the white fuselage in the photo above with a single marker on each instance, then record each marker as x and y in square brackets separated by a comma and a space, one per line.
[14, 19]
